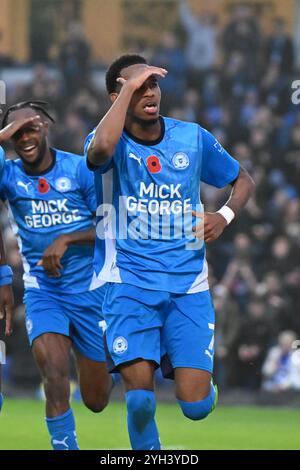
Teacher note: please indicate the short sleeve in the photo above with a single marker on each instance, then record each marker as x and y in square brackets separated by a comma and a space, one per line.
[218, 167]
[101, 168]
[87, 185]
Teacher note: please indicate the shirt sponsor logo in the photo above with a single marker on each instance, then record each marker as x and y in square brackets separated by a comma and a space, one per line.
[51, 213]
[159, 199]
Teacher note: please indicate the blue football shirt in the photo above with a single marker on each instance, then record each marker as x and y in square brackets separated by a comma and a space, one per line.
[145, 197]
[43, 207]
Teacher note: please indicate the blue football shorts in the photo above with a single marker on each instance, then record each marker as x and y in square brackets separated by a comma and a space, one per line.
[78, 316]
[174, 330]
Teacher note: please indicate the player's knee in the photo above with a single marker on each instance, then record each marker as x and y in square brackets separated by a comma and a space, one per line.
[141, 407]
[56, 383]
[200, 409]
[55, 377]
[96, 405]
[52, 369]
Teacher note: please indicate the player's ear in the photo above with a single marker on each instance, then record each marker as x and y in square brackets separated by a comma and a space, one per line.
[113, 97]
[46, 127]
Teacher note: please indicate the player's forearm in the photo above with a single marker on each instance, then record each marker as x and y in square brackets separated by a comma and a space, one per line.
[2, 252]
[80, 237]
[110, 128]
[241, 192]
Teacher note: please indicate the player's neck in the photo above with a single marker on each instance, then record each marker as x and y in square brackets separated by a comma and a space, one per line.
[41, 167]
[143, 130]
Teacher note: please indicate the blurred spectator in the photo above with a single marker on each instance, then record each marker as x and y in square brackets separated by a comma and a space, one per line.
[190, 108]
[235, 79]
[70, 136]
[253, 341]
[239, 277]
[201, 43]
[277, 303]
[242, 34]
[283, 257]
[43, 87]
[227, 330]
[280, 49]
[275, 89]
[281, 369]
[291, 163]
[170, 56]
[74, 59]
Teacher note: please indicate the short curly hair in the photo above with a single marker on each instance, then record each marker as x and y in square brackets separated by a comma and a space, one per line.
[114, 70]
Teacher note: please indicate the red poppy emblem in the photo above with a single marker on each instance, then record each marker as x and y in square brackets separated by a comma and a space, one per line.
[153, 164]
[43, 186]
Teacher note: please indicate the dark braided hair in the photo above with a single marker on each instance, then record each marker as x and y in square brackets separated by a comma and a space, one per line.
[33, 104]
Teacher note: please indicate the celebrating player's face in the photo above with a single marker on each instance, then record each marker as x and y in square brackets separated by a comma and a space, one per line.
[145, 102]
[30, 142]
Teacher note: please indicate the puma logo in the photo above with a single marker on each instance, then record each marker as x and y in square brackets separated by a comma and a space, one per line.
[209, 354]
[23, 185]
[62, 443]
[134, 157]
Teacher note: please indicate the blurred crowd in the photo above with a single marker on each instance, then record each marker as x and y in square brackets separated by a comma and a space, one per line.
[236, 82]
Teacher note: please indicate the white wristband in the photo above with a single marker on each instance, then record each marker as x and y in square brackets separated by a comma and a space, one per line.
[227, 213]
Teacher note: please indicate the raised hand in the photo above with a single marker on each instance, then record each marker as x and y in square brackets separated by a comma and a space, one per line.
[9, 130]
[52, 256]
[140, 74]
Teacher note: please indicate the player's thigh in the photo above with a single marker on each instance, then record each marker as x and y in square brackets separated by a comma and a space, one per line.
[84, 312]
[51, 352]
[45, 313]
[134, 320]
[138, 375]
[94, 377]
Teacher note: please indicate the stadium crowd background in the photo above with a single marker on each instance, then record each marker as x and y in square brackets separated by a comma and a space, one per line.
[235, 81]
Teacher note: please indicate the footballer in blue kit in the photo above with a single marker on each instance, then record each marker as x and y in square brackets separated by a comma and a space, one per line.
[50, 194]
[150, 218]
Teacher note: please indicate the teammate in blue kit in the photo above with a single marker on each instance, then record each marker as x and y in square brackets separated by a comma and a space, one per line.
[51, 196]
[6, 297]
[157, 302]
